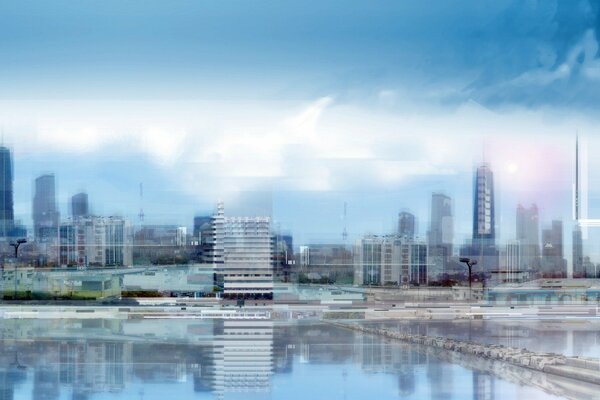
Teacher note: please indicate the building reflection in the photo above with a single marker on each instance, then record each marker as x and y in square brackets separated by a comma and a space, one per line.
[239, 358]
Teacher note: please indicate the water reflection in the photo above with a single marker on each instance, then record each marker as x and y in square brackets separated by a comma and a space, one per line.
[146, 359]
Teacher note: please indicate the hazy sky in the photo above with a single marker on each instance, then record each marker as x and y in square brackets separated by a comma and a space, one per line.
[300, 106]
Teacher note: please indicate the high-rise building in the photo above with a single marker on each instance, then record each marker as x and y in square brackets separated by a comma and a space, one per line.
[406, 225]
[579, 270]
[553, 263]
[45, 210]
[528, 236]
[440, 235]
[483, 245]
[79, 205]
[484, 219]
[7, 219]
[243, 256]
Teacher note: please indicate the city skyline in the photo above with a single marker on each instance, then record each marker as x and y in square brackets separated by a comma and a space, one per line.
[413, 225]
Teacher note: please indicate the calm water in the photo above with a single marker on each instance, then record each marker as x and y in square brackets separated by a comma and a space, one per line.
[183, 359]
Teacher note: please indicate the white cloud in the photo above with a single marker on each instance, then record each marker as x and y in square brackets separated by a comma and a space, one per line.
[212, 148]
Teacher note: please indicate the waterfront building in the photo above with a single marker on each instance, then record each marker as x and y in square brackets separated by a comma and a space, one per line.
[243, 255]
[406, 225]
[553, 263]
[327, 263]
[527, 233]
[546, 292]
[6, 193]
[96, 242]
[79, 205]
[391, 261]
[160, 244]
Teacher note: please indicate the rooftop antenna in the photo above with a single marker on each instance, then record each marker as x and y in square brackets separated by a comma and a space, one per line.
[141, 214]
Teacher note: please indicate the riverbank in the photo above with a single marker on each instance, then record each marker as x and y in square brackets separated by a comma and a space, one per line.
[579, 368]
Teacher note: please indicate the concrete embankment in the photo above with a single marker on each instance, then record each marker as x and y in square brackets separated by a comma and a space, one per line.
[579, 368]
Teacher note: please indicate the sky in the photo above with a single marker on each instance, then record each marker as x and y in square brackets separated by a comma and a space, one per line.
[295, 108]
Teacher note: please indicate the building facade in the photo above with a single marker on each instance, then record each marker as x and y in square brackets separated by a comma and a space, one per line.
[96, 242]
[243, 256]
[390, 261]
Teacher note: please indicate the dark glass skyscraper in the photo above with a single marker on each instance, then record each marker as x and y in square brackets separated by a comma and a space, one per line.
[483, 246]
[45, 211]
[7, 218]
[406, 225]
[79, 205]
[484, 220]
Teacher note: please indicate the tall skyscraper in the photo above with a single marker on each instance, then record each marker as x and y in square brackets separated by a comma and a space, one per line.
[553, 263]
[45, 210]
[579, 270]
[484, 219]
[7, 218]
[483, 246]
[79, 205]
[440, 236]
[406, 225]
[528, 228]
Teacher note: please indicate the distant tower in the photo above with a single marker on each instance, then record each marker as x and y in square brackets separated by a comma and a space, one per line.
[345, 231]
[442, 223]
[45, 211]
[141, 214]
[528, 236]
[406, 225]
[577, 242]
[79, 205]
[7, 219]
[553, 263]
[576, 209]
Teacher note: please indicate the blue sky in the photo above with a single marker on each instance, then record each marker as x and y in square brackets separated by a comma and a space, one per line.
[299, 106]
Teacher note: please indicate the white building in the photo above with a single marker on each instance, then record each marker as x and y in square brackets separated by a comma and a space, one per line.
[390, 260]
[96, 241]
[510, 262]
[243, 255]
